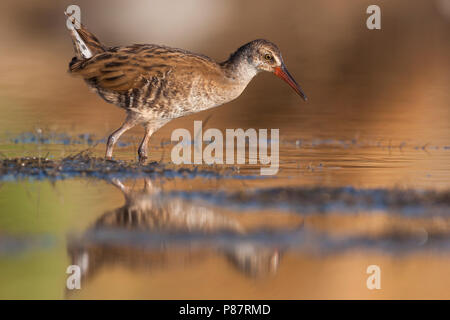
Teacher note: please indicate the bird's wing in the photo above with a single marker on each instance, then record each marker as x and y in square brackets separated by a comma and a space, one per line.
[125, 68]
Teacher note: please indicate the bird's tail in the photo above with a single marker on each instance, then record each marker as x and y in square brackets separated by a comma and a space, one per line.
[84, 42]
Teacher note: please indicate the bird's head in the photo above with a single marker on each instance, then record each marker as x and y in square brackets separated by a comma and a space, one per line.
[264, 55]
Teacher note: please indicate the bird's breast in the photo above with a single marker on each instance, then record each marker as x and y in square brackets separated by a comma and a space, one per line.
[205, 93]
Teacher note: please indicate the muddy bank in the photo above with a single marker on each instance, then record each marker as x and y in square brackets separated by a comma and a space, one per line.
[85, 165]
[305, 200]
[314, 200]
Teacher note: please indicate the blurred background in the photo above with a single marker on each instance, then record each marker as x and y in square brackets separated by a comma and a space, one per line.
[400, 71]
[377, 117]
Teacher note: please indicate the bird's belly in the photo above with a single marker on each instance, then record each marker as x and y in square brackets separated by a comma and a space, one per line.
[170, 99]
[197, 99]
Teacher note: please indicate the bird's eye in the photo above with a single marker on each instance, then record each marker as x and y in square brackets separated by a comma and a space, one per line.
[268, 57]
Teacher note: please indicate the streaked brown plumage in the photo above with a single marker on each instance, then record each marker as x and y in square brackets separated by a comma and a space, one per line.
[156, 84]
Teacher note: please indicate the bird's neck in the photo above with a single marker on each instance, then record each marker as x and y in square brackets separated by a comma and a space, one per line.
[238, 68]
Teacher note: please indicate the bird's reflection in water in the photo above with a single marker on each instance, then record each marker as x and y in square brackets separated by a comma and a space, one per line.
[140, 234]
[151, 210]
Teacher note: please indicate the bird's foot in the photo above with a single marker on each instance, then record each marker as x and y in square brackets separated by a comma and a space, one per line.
[142, 159]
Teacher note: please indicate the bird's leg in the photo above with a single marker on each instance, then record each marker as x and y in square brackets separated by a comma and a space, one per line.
[117, 183]
[143, 147]
[150, 128]
[129, 123]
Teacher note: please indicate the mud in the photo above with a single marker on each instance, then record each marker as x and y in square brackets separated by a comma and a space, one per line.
[86, 165]
[327, 199]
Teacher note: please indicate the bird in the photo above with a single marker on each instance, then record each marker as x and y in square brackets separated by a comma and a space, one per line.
[155, 84]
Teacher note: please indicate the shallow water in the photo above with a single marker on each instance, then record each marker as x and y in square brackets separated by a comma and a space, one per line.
[161, 231]
[364, 176]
